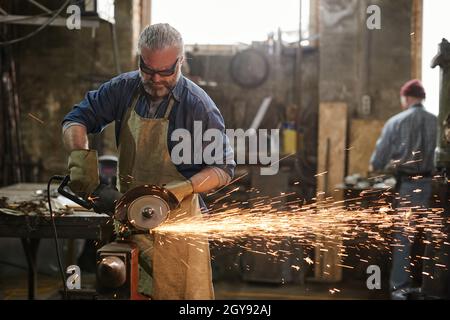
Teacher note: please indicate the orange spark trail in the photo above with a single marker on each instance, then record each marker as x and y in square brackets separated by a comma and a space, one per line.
[35, 118]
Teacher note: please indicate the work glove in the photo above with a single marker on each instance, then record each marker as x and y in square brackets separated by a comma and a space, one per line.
[83, 168]
[104, 199]
[180, 189]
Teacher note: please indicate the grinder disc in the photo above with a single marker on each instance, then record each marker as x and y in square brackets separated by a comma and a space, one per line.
[145, 207]
[148, 212]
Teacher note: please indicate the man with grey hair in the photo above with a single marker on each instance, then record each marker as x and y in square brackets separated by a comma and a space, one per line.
[147, 105]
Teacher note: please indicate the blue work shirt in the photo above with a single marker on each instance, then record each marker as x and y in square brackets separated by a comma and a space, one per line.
[112, 99]
[407, 142]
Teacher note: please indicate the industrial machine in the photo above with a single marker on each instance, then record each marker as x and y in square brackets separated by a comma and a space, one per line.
[138, 211]
[442, 155]
[437, 285]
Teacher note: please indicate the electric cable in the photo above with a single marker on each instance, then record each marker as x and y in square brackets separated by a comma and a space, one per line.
[55, 234]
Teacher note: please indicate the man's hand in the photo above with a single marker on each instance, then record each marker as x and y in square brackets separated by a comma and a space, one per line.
[83, 167]
[209, 179]
[180, 189]
[104, 199]
[206, 180]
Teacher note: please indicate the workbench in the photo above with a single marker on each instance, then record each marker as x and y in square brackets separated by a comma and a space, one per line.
[33, 227]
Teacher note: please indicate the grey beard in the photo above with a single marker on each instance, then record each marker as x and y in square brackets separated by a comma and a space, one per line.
[153, 93]
[147, 85]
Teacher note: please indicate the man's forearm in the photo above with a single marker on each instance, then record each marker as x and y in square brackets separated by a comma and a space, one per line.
[75, 138]
[209, 179]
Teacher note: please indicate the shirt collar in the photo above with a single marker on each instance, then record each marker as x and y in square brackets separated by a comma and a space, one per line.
[178, 89]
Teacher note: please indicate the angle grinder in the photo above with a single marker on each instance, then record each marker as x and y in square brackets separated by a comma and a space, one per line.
[139, 210]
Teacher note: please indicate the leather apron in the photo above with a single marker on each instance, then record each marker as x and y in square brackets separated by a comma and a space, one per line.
[181, 266]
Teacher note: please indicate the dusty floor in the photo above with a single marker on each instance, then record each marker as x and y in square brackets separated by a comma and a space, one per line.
[13, 286]
[236, 275]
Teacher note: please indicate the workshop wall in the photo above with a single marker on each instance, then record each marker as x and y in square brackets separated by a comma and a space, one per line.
[356, 61]
[239, 105]
[352, 60]
[55, 70]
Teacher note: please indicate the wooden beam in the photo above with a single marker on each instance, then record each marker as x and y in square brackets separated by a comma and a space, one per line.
[363, 137]
[332, 147]
[333, 119]
[39, 21]
[146, 13]
[314, 23]
[416, 39]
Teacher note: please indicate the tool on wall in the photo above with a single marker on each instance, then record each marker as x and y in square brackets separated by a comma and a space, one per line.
[250, 68]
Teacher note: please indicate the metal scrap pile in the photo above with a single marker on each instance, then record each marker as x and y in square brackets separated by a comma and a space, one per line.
[33, 207]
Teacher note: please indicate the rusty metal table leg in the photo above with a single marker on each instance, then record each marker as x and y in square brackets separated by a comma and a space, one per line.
[30, 246]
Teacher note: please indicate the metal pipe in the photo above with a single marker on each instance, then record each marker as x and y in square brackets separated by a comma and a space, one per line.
[442, 59]
[40, 6]
[115, 47]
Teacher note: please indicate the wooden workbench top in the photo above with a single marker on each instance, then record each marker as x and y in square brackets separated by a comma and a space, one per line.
[77, 224]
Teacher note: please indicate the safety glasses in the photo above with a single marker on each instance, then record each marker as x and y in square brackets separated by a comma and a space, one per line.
[163, 73]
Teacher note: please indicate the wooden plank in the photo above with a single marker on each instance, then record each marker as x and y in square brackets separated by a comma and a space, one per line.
[363, 137]
[331, 172]
[327, 260]
[416, 39]
[332, 148]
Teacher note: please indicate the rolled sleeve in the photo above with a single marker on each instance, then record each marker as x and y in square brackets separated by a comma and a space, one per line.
[98, 108]
[68, 124]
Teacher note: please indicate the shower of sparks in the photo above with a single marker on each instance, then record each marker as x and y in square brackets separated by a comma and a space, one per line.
[309, 225]
[321, 174]
[203, 181]
[231, 182]
[262, 225]
[268, 222]
[35, 118]
[333, 291]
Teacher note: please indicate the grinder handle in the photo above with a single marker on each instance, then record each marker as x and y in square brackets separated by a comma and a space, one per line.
[71, 196]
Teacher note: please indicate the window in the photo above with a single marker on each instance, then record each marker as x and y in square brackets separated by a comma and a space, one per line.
[232, 21]
[436, 26]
